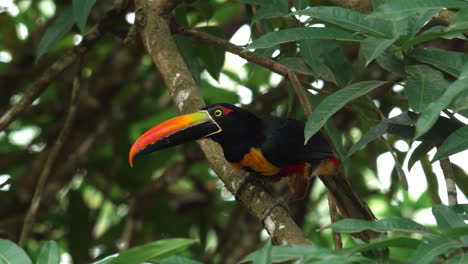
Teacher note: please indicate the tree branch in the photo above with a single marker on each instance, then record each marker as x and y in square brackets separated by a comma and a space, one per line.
[446, 166]
[57, 68]
[36, 200]
[158, 41]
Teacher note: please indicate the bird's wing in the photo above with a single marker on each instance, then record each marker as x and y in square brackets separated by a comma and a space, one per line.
[283, 143]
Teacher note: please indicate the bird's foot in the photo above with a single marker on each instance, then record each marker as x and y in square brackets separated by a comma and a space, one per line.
[250, 178]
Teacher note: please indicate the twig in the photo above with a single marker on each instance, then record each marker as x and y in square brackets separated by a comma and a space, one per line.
[57, 68]
[453, 117]
[54, 152]
[253, 57]
[307, 108]
[332, 207]
[158, 41]
[5, 183]
[300, 93]
[446, 166]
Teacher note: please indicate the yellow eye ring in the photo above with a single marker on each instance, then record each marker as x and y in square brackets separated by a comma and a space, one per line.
[218, 113]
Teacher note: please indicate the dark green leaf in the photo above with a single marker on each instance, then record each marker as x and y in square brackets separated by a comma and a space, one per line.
[402, 8]
[432, 34]
[310, 50]
[296, 64]
[177, 260]
[81, 9]
[294, 34]
[430, 115]
[397, 242]
[391, 63]
[382, 225]
[458, 259]
[344, 260]
[457, 232]
[301, 4]
[185, 46]
[57, 30]
[335, 102]
[380, 129]
[419, 152]
[288, 252]
[275, 8]
[336, 61]
[429, 250]
[349, 19]
[10, 253]
[446, 217]
[49, 254]
[372, 47]
[261, 256]
[152, 250]
[416, 21]
[450, 62]
[212, 57]
[424, 86]
[456, 142]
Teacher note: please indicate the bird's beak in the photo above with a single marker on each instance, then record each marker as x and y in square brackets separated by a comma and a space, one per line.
[173, 132]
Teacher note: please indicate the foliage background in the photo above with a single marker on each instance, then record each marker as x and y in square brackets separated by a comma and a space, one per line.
[93, 204]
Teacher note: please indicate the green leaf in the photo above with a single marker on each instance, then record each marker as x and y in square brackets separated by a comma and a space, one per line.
[177, 260]
[424, 86]
[433, 33]
[390, 62]
[450, 62]
[152, 250]
[429, 250]
[397, 242]
[185, 46]
[379, 130]
[261, 256]
[297, 65]
[430, 115]
[288, 252]
[337, 62]
[61, 26]
[10, 253]
[275, 8]
[419, 152]
[456, 142]
[456, 232]
[446, 217]
[383, 225]
[460, 20]
[416, 21]
[49, 254]
[458, 259]
[349, 19]
[344, 260]
[294, 34]
[372, 47]
[81, 9]
[332, 103]
[212, 57]
[310, 50]
[402, 8]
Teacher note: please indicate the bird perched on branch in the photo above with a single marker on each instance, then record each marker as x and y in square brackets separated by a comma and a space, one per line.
[270, 147]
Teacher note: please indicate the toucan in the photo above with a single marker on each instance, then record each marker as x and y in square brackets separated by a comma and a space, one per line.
[268, 146]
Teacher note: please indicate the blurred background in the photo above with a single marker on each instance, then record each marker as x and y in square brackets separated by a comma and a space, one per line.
[94, 204]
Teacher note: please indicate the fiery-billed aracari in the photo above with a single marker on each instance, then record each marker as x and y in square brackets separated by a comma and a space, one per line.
[271, 147]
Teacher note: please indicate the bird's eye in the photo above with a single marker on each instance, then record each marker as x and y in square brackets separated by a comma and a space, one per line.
[218, 113]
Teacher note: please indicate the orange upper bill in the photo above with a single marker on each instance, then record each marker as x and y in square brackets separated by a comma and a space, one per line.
[173, 132]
